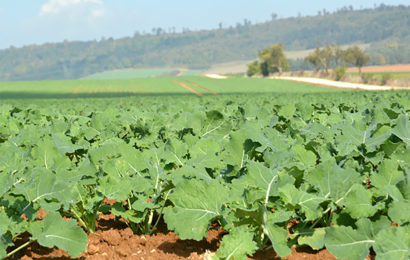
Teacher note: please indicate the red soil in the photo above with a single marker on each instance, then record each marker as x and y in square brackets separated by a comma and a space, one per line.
[203, 88]
[187, 87]
[387, 68]
[114, 240]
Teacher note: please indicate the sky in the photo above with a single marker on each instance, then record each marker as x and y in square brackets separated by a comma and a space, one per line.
[26, 22]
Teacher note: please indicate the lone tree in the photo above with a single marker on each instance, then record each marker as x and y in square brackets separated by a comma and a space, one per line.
[322, 57]
[314, 59]
[356, 57]
[253, 68]
[273, 60]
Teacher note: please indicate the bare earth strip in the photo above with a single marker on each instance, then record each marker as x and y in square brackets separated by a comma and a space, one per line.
[189, 88]
[215, 76]
[338, 84]
[387, 68]
[205, 89]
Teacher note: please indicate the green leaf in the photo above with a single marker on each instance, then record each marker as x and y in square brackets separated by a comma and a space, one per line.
[115, 188]
[332, 181]
[196, 204]
[287, 111]
[309, 203]
[237, 244]
[262, 178]
[5, 242]
[63, 143]
[399, 212]
[66, 235]
[402, 129]
[315, 238]
[307, 158]
[387, 178]
[5, 221]
[278, 238]
[344, 242]
[393, 243]
[43, 186]
[359, 202]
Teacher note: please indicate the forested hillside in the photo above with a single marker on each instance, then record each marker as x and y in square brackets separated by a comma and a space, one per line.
[200, 49]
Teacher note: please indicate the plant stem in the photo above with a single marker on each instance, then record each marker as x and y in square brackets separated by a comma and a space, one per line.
[77, 216]
[160, 214]
[317, 221]
[19, 248]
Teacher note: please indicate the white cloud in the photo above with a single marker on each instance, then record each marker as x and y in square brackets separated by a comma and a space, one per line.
[73, 8]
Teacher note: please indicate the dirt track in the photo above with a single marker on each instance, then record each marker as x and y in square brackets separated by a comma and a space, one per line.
[338, 84]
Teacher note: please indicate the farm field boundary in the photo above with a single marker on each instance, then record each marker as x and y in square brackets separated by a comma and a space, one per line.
[338, 84]
[386, 68]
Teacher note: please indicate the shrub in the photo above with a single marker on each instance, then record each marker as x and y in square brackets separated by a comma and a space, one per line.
[340, 72]
[367, 77]
[385, 78]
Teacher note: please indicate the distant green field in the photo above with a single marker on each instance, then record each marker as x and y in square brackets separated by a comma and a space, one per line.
[155, 86]
[134, 73]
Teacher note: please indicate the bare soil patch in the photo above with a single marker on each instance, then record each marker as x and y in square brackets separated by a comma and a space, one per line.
[200, 87]
[387, 68]
[114, 240]
[187, 87]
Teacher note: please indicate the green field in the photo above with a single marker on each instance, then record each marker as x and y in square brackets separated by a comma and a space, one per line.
[156, 86]
[133, 74]
[251, 156]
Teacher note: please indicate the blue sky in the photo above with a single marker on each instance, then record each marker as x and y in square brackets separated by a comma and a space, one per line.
[24, 22]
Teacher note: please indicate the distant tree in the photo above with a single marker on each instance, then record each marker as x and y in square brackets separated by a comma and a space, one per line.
[274, 16]
[264, 67]
[314, 59]
[274, 59]
[325, 57]
[356, 57]
[337, 54]
[253, 68]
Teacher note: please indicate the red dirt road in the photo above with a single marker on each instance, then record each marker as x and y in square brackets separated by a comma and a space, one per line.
[387, 68]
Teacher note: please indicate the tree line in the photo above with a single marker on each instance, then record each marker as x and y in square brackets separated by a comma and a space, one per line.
[201, 49]
[273, 60]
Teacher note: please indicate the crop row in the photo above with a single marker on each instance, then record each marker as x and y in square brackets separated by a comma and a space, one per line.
[337, 168]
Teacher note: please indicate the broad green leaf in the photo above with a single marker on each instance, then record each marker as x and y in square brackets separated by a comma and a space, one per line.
[5, 242]
[5, 183]
[115, 188]
[387, 178]
[332, 181]
[287, 111]
[359, 202]
[309, 203]
[44, 186]
[5, 221]
[377, 138]
[278, 238]
[399, 212]
[315, 238]
[63, 143]
[237, 244]
[307, 158]
[262, 178]
[344, 242]
[402, 129]
[196, 204]
[393, 243]
[66, 235]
